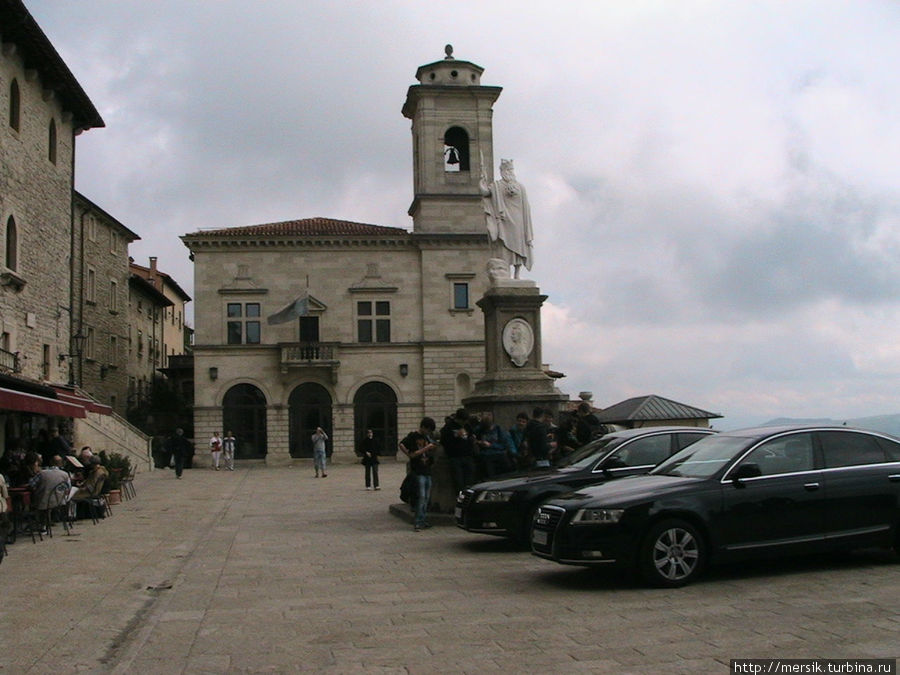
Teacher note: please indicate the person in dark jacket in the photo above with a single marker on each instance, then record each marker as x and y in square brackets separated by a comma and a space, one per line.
[459, 446]
[536, 437]
[369, 450]
[181, 449]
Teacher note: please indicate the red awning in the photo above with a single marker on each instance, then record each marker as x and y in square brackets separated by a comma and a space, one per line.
[86, 403]
[19, 400]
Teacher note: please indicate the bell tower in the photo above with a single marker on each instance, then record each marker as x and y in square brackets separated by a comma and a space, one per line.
[452, 132]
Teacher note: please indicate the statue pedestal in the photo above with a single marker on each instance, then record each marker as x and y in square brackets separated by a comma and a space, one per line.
[514, 379]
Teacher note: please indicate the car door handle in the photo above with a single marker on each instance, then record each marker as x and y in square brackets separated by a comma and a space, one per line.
[810, 487]
[894, 478]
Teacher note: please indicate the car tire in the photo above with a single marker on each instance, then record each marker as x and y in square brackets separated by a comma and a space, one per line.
[672, 554]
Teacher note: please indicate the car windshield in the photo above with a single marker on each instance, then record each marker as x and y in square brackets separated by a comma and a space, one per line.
[586, 455]
[703, 458]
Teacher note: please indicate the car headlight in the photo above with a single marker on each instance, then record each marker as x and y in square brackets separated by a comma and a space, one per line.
[597, 516]
[494, 496]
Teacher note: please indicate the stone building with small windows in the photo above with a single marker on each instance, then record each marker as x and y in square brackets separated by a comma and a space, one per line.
[348, 326]
[100, 312]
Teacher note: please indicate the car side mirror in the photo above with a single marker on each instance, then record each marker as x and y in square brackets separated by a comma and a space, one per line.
[748, 470]
[614, 462]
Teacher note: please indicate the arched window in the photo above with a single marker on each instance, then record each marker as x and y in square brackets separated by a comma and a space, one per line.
[310, 407]
[375, 408]
[12, 242]
[14, 105]
[51, 142]
[456, 150]
[244, 414]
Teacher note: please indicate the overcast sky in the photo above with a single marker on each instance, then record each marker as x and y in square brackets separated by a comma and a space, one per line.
[714, 185]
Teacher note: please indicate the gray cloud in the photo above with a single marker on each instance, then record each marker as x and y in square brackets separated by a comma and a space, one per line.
[713, 185]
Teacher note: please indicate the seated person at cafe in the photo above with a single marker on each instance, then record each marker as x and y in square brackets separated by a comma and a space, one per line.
[44, 485]
[92, 485]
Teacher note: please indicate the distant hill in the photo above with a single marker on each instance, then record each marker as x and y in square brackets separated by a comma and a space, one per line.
[889, 424]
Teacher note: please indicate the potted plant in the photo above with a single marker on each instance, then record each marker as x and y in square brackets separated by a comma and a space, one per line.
[117, 465]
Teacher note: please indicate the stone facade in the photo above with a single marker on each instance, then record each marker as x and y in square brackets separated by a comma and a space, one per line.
[100, 308]
[385, 329]
[43, 109]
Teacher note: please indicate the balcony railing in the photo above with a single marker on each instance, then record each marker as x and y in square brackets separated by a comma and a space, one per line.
[9, 361]
[309, 354]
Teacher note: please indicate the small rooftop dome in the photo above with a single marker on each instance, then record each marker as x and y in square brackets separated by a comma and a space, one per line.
[450, 71]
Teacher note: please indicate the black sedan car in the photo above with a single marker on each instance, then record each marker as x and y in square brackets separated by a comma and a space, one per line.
[764, 491]
[505, 506]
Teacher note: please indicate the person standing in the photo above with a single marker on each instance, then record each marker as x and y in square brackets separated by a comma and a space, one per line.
[229, 444]
[494, 446]
[318, 440]
[180, 448]
[459, 447]
[519, 446]
[370, 452]
[215, 447]
[420, 449]
[536, 437]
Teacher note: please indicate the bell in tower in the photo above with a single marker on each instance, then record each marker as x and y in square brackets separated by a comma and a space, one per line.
[451, 114]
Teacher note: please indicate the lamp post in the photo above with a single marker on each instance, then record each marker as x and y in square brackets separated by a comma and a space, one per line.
[77, 349]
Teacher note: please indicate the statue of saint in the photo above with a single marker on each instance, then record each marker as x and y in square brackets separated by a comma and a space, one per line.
[508, 217]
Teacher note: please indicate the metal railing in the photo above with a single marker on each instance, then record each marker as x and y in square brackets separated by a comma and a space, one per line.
[9, 360]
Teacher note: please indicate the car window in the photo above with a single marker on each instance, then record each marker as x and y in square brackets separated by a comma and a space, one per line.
[848, 448]
[892, 448]
[785, 454]
[588, 454]
[686, 439]
[648, 451]
[703, 458]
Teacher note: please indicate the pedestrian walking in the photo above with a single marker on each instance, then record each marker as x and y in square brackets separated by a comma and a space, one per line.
[370, 452]
[318, 440]
[215, 446]
[180, 449]
[229, 443]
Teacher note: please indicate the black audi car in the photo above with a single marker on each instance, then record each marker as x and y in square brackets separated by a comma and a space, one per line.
[505, 506]
[763, 491]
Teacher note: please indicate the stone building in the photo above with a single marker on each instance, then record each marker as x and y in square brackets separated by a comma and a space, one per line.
[173, 336]
[348, 326]
[43, 110]
[100, 303]
[147, 306]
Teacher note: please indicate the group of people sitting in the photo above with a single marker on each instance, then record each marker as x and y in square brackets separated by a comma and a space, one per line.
[52, 482]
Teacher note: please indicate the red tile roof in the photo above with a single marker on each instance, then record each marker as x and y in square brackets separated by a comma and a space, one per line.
[306, 227]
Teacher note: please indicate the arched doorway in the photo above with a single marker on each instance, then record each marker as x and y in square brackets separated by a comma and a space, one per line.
[244, 413]
[375, 408]
[310, 407]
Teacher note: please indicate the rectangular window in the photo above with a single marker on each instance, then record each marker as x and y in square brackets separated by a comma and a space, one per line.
[91, 288]
[113, 357]
[45, 362]
[373, 326]
[113, 241]
[89, 344]
[460, 295]
[243, 325]
[113, 296]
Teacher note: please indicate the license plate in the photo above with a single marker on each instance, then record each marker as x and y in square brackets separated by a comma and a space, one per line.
[539, 537]
[457, 513]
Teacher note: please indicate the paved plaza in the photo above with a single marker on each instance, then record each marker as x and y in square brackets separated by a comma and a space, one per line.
[272, 570]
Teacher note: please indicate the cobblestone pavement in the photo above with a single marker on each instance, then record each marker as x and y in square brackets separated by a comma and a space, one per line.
[272, 570]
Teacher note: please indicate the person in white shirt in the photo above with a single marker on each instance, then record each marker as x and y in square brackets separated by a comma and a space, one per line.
[215, 446]
[228, 446]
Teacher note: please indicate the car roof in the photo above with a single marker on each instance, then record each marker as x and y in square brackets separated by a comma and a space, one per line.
[765, 432]
[643, 431]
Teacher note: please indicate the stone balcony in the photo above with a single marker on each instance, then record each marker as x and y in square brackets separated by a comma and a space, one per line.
[310, 355]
